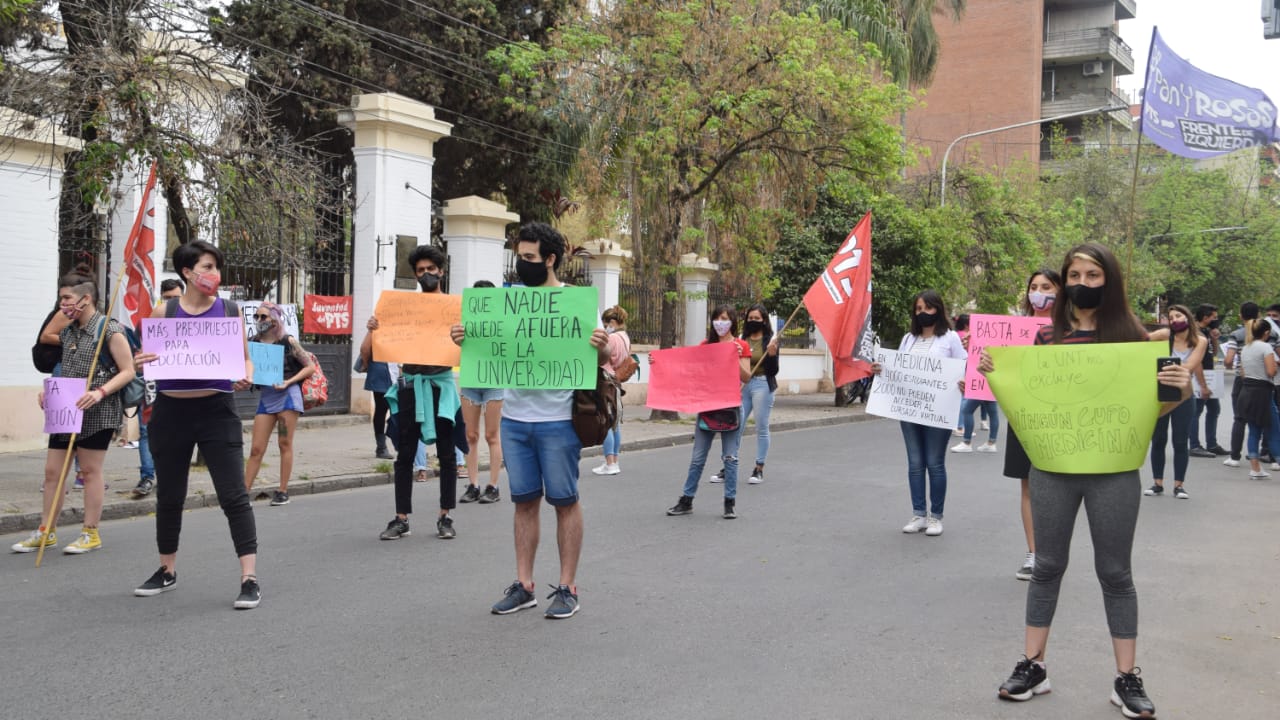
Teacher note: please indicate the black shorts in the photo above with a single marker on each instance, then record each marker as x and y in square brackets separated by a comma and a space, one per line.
[1016, 463]
[100, 440]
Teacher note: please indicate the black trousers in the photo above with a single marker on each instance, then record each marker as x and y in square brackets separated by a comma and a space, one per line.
[410, 431]
[177, 426]
[380, 410]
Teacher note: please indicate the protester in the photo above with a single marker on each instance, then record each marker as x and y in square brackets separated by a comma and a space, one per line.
[1206, 325]
[1236, 342]
[378, 381]
[425, 403]
[926, 445]
[1254, 405]
[486, 403]
[726, 422]
[101, 406]
[1095, 309]
[169, 289]
[541, 448]
[200, 413]
[615, 323]
[1039, 297]
[962, 330]
[757, 392]
[1189, 346]
[280, 405]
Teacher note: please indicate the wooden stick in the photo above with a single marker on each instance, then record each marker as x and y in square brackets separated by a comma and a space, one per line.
[765, 352]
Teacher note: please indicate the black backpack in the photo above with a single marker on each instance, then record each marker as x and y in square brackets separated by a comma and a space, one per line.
[45, 357]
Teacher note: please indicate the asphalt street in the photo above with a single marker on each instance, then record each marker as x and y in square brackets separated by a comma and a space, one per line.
[813, 604]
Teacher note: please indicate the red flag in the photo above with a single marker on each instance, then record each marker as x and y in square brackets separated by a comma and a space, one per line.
[326, 314]
[840, 304]
[140, 273]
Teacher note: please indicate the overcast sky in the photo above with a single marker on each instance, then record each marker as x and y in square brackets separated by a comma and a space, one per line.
[1223, 37]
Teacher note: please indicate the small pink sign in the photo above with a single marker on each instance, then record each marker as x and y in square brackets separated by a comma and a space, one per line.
[60, 412]
[995, 330]
[695, 379]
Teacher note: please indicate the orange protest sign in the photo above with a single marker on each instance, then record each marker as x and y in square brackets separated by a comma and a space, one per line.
[413, 327]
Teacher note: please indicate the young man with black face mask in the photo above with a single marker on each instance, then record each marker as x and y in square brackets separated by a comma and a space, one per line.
[1207, 404]
[541, 448]
[430, 393]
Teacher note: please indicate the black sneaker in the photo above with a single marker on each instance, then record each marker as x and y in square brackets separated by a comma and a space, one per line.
[280, 498]
[1130, 696]
[683, 506]
[1154, 490]
[396, 529]
[250, 594]
[444, 528]
[471, 495]
[514, 599]
[718, 476]
[729, 511]
[1180, 493]
[161, 581]
[1201, 453]
[490, 495]
[1219, 450]
[384, 454]
[757, 476]
[1029, 678]
[564, 603]
[144, 487]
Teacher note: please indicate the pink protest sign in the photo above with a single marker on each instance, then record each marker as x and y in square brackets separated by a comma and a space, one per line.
[60, 412]
[194, 348]
[998, 331]
[694, 379]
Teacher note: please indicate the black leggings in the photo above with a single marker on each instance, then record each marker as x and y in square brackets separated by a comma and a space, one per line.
[407, 446]
[177, 426]
[380, 410]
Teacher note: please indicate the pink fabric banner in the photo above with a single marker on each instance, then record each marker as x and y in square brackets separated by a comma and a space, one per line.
[194, 348]
[60, 412]
[694, 379]
[997, 331]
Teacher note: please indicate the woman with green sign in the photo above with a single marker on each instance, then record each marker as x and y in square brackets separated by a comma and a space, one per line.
[1093, 309]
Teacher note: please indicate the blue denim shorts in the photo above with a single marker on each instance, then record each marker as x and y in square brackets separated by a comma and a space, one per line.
[542, 459]
[480, 396]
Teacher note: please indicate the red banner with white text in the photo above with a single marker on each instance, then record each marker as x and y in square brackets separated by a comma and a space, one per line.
[839, 302]
[326, 314]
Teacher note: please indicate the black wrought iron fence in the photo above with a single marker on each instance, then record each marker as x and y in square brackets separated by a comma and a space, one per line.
[643, 302]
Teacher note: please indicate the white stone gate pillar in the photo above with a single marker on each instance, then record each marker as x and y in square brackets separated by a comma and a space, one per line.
[476, 231]
[695, 279]
[606, 270]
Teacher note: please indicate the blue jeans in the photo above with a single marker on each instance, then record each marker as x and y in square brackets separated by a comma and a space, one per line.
[1214, 407]
[420, 457]
[756, 395]
[148, 467]
[613, 441]
[1273, 435]
[967, 406]
[1181, 419]
[542, 458]
[728, 454]
[926, 451]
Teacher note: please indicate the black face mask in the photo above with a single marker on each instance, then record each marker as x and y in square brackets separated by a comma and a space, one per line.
[751, 327]
[1084, 297]
[927, 319]
[1213, 324]
[430, 282]
[532, 274]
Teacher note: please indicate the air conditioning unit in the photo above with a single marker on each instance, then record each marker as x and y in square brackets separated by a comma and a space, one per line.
[1093, 69]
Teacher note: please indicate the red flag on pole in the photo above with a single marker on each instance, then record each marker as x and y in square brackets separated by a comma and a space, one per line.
[140, 276]
[840, 304]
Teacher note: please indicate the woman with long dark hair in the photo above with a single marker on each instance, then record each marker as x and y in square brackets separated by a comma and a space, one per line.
[1188, 345]
[279, 404]
[757, 392]
[1093, 309]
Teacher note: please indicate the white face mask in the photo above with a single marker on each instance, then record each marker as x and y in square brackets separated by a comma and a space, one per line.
[721, 327]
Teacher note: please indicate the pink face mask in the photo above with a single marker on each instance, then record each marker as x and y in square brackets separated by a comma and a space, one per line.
[207, 283]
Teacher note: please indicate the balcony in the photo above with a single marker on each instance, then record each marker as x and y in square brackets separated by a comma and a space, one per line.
[1065, 103]
[1125, 9]
[1080, 46]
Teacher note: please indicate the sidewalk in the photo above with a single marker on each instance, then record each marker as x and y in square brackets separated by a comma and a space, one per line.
[336, 453]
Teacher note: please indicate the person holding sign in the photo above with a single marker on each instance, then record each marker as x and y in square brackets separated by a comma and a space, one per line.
[1207, 403]
[615, 323]
[486, 403]
[1094, 309]
[726, 422]
[101, 407]
[927, 445]
[280, 403]
[541, 448]
[425, 403]
[1189, 346]
[990, 413]
[200, 412]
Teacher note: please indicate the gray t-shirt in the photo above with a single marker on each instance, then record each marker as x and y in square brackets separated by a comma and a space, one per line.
[1253, 362]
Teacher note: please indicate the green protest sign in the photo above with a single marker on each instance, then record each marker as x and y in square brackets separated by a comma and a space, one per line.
[1078, 409]
[529, 338]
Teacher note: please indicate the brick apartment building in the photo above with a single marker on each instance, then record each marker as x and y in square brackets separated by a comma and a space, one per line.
[1010, 61]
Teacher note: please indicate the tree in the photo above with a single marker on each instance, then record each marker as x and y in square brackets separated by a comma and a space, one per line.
[902, 29]
[710, 119]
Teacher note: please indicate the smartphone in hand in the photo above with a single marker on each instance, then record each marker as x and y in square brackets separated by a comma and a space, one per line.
[1167, 393]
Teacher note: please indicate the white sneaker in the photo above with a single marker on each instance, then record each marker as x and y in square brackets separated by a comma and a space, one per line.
[1028, 567]
[986, 447]
[1231, 463]
[717, 477]
[963, 447]
[986, 425]
[918, 523]
[959, 432]
[607, 469]
[934, 528]
[599, 469]
[1274, 466]
[1259, 475]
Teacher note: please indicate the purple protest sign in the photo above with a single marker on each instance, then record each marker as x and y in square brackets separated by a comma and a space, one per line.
[194, 348]
[995, 330]
[1196, 115]
[60, 412]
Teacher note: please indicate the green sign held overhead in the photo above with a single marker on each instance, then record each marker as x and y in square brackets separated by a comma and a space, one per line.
[529, 338]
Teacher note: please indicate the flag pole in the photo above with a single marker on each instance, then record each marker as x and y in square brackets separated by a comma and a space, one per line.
[49, 522]
[1137, 158]
[765, 352]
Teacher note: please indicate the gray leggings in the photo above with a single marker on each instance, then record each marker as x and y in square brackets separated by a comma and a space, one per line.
[1111, 504]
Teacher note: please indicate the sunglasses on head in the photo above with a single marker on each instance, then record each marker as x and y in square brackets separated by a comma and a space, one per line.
[261, 317]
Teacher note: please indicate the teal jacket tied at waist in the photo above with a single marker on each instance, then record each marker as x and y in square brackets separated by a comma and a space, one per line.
[449, 406]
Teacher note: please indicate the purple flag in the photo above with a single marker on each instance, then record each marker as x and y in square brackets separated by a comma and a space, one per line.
[1197, 115]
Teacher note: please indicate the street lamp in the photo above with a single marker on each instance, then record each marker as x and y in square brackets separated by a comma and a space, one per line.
[1096, 111]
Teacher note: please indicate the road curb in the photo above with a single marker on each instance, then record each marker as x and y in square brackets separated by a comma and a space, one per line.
[123, 509]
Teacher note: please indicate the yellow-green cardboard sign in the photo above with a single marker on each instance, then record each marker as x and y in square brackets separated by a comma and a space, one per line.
[1087, 408]
[533, 338]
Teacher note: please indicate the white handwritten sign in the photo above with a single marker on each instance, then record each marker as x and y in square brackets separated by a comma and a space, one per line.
[249, 307]
[921, 389]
